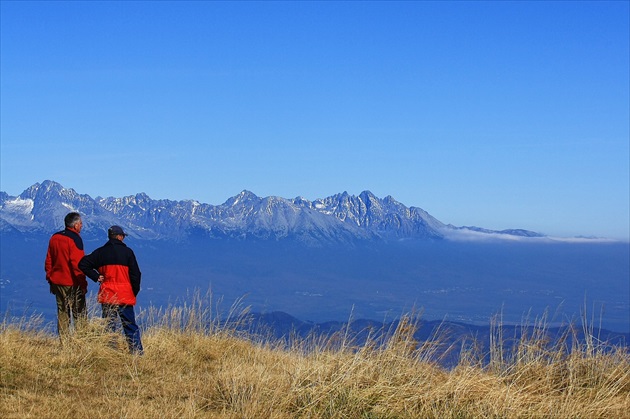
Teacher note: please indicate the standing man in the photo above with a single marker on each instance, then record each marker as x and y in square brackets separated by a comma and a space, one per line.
[67, 281]
[115, 268]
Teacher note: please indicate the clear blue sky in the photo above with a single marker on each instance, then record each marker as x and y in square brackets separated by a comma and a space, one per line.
[494, 114]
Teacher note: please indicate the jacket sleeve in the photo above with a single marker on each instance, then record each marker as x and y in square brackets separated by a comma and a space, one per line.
[75, 255]
[134, 274]
[88, 266]
[48, 264]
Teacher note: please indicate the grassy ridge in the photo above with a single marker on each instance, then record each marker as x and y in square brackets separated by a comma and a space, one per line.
[195, 368]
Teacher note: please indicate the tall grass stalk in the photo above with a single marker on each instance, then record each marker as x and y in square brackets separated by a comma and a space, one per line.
[197, 364]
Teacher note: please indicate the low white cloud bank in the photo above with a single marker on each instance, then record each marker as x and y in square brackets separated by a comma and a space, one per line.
[464, 234]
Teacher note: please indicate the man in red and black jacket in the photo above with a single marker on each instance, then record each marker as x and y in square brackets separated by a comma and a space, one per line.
[67, 282]
[115, 268]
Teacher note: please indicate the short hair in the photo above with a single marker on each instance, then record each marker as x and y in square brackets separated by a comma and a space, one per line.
[71, 219]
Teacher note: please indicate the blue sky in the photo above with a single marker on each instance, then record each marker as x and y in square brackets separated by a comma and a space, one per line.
[494, 114]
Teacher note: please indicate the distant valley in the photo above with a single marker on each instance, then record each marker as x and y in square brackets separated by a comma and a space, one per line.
[332, 259]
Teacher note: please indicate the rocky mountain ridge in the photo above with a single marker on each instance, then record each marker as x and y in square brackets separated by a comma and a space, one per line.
[341, 218]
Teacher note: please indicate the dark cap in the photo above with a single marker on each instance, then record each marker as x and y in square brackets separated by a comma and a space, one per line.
[115, 231]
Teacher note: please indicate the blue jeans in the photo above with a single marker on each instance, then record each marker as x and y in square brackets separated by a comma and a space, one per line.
[128, 321]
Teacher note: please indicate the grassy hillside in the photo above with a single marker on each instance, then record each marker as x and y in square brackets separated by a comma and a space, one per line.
[193, 368]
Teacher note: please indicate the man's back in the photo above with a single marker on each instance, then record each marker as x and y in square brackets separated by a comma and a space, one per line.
[65, 250]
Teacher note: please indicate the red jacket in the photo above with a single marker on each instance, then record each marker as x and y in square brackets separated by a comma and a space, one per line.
[65, 250]
[116, 288]
[118, 264]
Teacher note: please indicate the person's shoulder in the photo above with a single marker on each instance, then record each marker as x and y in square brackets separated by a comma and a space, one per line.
[68, 235]
[75, 237]
[56, 238]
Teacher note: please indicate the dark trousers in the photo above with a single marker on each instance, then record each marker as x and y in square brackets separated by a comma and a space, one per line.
[70, 307]
[128, 321]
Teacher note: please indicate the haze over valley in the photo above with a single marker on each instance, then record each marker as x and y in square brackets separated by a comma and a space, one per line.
[332, 259]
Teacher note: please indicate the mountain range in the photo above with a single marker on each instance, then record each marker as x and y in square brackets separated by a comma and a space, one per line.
[341, 218]
[322, 260]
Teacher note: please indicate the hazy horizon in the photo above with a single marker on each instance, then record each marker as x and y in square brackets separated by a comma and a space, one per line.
[493, 114]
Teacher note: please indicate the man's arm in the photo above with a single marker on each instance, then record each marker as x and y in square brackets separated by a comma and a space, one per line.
[88, 266]
[48, 269]
[48, 264]
[134, 274]
[75, 255]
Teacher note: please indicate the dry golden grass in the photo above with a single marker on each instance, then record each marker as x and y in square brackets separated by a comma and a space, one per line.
[193, 368]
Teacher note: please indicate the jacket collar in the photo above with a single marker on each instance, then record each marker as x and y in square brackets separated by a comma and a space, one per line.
[115, 242]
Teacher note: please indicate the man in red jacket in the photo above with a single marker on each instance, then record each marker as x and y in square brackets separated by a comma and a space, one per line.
[67, 282]
[115, 268]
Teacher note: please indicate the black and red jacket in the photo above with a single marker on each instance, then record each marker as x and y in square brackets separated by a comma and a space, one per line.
[65, 250]
[118, 264]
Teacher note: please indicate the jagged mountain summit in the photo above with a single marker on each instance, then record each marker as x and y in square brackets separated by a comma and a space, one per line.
[341, 218]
